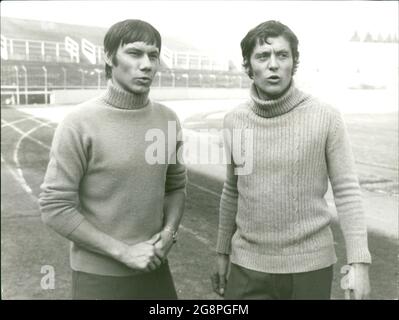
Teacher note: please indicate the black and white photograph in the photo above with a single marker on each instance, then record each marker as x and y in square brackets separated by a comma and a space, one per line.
[199, 150]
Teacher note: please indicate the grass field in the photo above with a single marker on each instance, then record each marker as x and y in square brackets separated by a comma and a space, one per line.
[27, 244]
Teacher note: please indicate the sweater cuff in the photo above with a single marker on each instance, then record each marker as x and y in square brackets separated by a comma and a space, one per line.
[64, 226]
[357, 251]
[223, 244]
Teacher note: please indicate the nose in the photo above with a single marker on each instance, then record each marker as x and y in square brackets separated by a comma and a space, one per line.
[145, 63]
[273, 64]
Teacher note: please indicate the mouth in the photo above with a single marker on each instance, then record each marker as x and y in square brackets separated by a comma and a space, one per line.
[273, 79]
[143, 80]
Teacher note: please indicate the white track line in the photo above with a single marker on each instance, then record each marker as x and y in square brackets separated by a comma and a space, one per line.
[18, 178]
[7, 124]
[18, 173]
[16, 151]
[46, 123]
[29, 137]
[205, 189]
[203, 240]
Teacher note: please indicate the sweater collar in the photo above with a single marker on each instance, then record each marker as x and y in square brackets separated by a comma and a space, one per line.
[276, 107]
[122, 99]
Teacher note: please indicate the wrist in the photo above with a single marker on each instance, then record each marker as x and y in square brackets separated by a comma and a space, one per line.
[118, 251]
[171, 232]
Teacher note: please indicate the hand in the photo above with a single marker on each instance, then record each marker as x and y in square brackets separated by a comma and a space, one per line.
[219, 278]
[361, 288]
[142, 256]
[163, 246]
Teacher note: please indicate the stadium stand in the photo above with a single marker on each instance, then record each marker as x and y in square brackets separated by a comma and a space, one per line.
[40, 56]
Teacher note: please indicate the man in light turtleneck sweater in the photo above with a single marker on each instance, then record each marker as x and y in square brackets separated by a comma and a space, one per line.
[274, 224]
[120, 212]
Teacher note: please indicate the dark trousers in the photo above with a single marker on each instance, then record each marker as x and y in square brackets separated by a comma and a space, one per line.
[243, 283]
[157, 284]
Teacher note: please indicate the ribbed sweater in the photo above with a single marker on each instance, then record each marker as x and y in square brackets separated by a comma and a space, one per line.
[275, 218]
[98, 172]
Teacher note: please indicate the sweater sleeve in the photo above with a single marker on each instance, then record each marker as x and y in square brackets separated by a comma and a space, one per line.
[176, 173]
[347, 194]
[59, 199]
[229, 199]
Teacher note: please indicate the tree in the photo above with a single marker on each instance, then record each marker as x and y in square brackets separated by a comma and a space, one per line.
[388, 39]
[368, 38]
[232, 66]
[355, 37]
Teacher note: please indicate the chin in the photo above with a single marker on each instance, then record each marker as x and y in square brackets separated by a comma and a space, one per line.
[139, 90]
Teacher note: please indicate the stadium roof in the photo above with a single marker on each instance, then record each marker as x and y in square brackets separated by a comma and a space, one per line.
[54, 31]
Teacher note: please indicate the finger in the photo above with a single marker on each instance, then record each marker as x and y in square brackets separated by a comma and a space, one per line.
[222, 284]
[154, 238]
[151, 266]
[215, 282]
[159, 252]
[157, 261]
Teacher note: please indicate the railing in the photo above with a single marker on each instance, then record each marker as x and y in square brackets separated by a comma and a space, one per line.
[23, 84]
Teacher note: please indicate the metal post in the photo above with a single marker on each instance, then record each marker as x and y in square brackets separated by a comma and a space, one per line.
[173, 80]
[65, 77]
[83, 78]
[185, 75]
[17, 82]
[45, 84]
[57, 52]
[43, 52]
[214, 80]
[26, 83]
[11, 48]
[98, 71]
[27, 49]
[98, 80]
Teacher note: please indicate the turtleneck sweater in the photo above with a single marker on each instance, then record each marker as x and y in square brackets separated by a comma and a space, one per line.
[98, 171]
[275, 218]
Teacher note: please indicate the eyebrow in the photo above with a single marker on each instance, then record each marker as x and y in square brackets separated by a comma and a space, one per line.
[152, 51]
[269, 51]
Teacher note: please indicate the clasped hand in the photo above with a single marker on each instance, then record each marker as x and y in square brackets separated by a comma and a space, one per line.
[148, 255]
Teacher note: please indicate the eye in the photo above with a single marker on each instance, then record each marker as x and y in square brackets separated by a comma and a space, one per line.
[263, 57]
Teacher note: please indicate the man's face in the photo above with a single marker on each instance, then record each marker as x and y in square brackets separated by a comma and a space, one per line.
[136, 66]
[272, 65]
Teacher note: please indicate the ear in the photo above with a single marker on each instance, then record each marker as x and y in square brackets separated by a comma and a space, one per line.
[247, 68]
[108, 59]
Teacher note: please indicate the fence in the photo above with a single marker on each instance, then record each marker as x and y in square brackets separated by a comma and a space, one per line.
[25, 84]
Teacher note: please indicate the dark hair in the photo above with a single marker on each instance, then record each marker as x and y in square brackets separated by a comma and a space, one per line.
[128, 31]
[260, 34]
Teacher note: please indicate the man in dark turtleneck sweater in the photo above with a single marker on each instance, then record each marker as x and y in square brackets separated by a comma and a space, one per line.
[120, 212]
[274, 224]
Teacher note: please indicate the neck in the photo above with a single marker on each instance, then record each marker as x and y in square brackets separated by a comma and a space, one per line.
[123, 99]
[272, 107]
